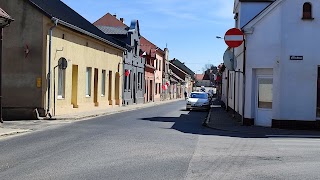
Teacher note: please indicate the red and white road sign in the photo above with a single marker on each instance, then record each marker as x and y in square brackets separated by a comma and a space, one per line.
[234, 37]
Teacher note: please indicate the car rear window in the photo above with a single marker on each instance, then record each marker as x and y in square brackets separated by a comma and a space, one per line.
[199, 95]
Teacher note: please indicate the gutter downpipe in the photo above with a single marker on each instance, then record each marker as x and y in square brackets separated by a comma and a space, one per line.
[244, 80]
[55, 21]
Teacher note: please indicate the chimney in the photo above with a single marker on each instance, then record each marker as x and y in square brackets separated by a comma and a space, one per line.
[122, 20]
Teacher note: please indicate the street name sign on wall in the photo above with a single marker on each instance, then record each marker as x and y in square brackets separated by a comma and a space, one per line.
[234, 37]
[297, 58]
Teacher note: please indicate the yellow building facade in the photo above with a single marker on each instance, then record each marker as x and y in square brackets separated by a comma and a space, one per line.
[92, 79]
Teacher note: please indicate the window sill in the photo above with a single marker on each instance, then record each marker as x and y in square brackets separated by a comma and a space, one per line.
[60, 98]
[88, 96]
[307, 19]
[102, 95]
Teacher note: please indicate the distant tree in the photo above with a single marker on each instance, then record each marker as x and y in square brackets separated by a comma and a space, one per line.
[206, 69]
[210, 70]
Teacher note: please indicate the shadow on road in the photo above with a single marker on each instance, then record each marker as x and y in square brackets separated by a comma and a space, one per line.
[192, 123]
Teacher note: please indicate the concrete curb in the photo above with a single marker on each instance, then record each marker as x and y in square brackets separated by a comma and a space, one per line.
[89, 116]
[13, 132]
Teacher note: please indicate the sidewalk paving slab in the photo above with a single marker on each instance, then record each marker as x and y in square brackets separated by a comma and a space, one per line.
[220, 119]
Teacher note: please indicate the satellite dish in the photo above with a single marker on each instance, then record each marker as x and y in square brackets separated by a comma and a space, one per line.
[229, 59]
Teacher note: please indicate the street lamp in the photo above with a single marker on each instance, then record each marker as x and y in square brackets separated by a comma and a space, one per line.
[5, 21]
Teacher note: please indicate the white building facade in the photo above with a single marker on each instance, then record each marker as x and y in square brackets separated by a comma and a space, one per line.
[280, 64]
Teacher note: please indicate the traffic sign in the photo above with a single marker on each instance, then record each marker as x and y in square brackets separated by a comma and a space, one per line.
[234, 37]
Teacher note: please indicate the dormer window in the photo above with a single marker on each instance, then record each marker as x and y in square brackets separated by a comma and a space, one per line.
[307, 11]
[136, 47]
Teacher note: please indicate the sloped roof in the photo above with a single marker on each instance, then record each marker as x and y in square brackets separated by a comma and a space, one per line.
[202, 77]
[148, 47]
[113, 30]
[58, 9]
[182, 66]
[199, 76]
[109, 20]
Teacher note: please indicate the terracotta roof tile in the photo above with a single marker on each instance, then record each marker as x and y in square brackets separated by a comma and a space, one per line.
[109, 20]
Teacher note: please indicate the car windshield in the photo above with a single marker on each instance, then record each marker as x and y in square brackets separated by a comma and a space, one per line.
[199, 95]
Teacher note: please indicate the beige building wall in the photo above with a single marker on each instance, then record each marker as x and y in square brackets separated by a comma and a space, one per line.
[82, 51]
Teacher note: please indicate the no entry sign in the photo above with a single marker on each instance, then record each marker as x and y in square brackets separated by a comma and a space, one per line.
[234, 37]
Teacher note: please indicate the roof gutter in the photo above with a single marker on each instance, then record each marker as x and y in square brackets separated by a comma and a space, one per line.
[87, 33]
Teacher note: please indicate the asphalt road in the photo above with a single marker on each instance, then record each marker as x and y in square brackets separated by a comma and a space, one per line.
[151, 143]
[162, 142]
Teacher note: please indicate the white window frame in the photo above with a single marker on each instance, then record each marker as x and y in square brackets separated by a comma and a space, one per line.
[88, 81]
[103, 83]
[61, 83]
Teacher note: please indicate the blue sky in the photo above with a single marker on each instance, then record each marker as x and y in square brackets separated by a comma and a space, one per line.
[189, 28]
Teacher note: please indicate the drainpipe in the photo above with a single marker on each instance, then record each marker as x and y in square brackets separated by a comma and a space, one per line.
[55, 21]
[244, 79]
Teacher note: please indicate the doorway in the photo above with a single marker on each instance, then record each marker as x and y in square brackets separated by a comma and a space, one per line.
[74, 89]
[95, 86]
[117, 88]
[264, 98]
[151, 91]
[110, 88]
[134, 88]
[318, 94]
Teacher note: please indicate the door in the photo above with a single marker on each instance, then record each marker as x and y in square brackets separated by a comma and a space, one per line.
[95, 86]
[117, 88]
[110, 88]
[134, 88]
[74, 91]
[264, 101]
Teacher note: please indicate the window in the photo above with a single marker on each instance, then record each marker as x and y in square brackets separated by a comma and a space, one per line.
[156, 64]
[125, 80]
[139, 80]
[61, 83]
[307, 11]
[136, 47]
[88, 81]
[129, 81]
[141, 74]
[103, 83]
[199, 95]
[265, 93]
[156, 88]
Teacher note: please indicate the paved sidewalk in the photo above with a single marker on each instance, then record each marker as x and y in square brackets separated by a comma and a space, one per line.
[90, 114]
[220, 119]
[9, 128]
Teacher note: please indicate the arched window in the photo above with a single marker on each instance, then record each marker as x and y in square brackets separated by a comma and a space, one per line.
[307, 11]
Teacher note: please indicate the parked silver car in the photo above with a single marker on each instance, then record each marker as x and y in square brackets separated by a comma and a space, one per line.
[198, 100]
